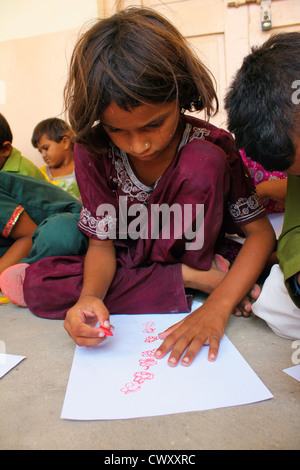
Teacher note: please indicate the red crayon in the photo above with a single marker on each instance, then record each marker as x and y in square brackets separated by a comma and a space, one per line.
[106, 331]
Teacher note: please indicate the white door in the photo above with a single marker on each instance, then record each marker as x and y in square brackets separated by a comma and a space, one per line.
[221, 34]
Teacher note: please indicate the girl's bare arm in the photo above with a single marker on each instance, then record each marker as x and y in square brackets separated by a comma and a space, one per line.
[22, 236]
[99, 270]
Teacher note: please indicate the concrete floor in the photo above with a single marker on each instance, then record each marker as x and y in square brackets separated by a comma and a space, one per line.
[32, 396]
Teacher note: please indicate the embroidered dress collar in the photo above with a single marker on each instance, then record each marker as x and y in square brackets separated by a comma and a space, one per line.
[132, 175]
[126, 177]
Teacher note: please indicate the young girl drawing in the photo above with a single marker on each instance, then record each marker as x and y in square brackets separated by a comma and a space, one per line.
[126, 99]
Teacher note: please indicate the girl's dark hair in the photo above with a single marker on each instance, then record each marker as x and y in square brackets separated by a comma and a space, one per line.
[5, 131]
[136, 56]
[54, 128]
[262, 113]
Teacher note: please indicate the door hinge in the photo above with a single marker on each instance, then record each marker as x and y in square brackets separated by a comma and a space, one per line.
[265, 5]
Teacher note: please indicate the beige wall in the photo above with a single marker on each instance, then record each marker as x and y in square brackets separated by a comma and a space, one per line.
[38, 36]
[36, 41]
[34, 76]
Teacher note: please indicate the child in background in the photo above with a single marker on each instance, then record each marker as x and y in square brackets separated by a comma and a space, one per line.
[264, 114]
[126, 99]
[10, 158]
[270, 185]
[37, 219]
[54, 139]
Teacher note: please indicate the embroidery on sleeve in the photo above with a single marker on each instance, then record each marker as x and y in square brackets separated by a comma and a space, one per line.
[199, 133]
[246, 208]
[102, 227]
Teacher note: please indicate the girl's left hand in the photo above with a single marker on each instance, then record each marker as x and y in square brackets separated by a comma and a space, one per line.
[204, 326]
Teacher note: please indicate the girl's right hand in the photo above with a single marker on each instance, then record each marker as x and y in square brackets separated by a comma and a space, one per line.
[81, 319]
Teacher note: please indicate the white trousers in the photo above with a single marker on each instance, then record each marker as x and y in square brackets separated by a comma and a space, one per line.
[275, 306]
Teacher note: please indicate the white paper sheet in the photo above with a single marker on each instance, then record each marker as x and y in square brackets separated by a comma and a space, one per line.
[293, 372]
[120, 378]
[8, 361]
[277, 222]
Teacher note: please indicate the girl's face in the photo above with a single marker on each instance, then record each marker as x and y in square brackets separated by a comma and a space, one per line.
[53, 153]
[145, 132]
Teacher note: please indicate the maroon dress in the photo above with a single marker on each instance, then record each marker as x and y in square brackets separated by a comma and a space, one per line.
[206, 174]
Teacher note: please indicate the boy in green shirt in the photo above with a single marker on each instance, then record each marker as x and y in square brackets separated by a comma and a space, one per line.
[11, 159]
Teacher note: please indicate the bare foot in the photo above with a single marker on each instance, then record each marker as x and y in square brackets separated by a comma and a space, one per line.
[205, 281]
[245, 306]
[11, 282]
[221, 263]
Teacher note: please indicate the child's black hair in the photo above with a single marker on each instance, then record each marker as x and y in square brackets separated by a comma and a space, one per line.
[134, 57]
[5, 131]
[54, 128]
[262, 113]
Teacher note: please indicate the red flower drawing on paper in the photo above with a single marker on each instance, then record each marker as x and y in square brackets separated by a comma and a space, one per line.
[141, 376]
[150, 339]
[147, 362]
[149, 330]
[149, 327]
[149, 353]
[131, 387]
